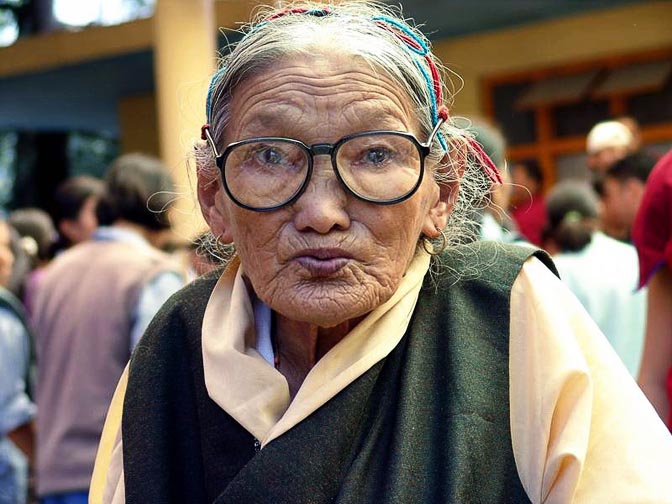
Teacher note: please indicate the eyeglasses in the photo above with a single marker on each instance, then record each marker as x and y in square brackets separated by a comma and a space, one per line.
[266, 173]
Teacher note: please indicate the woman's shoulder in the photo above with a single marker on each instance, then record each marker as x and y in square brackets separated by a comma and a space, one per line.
[183, 312]
[197, 291]
[487, 261]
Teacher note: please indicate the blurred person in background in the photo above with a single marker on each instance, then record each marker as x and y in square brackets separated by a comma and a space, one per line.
[527, 200]
[606, 143]
[204, 255]
[621, 188]
[635, 130]
[74, 209]
[38, 237]
[652, 236]
[601, 271]
[95, 301]
[196, 257]
[16, 408]
[493, 220]
[21, 265]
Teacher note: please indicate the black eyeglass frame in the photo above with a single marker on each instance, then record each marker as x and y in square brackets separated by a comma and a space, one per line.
[331, 150]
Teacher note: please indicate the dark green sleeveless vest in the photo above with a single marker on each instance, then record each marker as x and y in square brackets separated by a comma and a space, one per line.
[428, 424]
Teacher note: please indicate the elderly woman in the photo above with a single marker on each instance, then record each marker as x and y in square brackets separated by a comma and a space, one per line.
[329, 362]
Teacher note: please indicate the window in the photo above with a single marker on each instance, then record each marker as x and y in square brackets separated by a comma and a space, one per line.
[578, 118]
[518, 125]
[90, 153]
[652, 108]
[546, 114]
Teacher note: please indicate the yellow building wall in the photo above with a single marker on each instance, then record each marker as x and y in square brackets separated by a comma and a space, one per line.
[630, 29]
[38, 53]
[138, 125]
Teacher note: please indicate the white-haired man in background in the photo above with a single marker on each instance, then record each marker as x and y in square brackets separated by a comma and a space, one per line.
[607, 143]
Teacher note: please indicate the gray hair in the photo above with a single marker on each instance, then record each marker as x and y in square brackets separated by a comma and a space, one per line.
[352, 28]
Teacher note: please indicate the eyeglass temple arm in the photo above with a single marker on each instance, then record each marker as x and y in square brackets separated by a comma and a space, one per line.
[207, 136]
[435, 131]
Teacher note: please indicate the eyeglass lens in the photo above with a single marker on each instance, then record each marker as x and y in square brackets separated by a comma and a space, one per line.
[269, 173]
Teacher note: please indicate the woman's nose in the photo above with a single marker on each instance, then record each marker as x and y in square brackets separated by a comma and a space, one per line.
[323, 206]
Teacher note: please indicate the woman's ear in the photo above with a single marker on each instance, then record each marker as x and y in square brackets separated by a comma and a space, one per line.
[439, 213]
[211, 198]
[452, 167]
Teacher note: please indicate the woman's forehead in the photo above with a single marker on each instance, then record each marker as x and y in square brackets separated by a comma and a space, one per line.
[319, 87]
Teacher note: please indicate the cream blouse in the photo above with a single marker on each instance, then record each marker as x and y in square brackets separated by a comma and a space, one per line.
[581, 429]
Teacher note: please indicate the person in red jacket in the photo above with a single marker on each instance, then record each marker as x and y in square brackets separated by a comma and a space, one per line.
[652, 236]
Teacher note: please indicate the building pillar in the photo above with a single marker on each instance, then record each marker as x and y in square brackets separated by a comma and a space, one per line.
[185, 34]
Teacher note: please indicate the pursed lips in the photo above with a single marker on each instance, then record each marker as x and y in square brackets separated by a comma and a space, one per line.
[322, 261]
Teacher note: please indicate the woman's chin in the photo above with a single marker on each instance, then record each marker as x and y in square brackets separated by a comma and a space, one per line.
[327, 311]
[325, 301]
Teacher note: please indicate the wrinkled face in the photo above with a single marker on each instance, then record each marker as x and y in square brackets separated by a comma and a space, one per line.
[6, 255]
[328, 257]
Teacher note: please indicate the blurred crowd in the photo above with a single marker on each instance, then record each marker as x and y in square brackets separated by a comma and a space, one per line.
[610, 237]
[78, 287]
[79, 284]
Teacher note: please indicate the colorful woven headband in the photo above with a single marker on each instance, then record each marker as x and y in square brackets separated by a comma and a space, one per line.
[411, 41]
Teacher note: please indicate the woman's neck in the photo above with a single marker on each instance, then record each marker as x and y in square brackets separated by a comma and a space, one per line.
[299, 345]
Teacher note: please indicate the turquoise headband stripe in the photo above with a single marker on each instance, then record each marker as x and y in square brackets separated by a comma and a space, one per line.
[211, 88]
[433, 105]
[423, 51]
